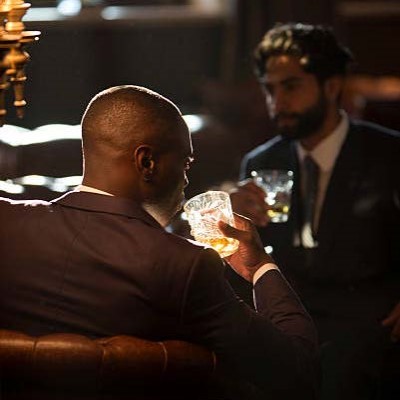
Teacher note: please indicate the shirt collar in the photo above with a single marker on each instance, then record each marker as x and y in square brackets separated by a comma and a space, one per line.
[326, 152]
[84, 188]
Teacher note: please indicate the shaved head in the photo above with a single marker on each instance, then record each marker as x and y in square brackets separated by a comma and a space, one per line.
[137, 145]
[122, 117]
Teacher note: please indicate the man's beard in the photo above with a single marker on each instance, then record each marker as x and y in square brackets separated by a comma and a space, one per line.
[307, 123]
[164, 209]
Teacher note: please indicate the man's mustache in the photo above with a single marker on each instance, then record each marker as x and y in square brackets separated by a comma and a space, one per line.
[286, 116]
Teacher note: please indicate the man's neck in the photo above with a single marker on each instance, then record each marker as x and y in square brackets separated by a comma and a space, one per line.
[154, 212]
[330, 123]
[157, 212]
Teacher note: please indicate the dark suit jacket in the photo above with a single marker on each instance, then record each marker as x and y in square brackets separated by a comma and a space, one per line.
[353, 275]
[98, 265]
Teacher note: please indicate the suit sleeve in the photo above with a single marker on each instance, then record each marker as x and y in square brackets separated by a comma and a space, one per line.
[273, 348]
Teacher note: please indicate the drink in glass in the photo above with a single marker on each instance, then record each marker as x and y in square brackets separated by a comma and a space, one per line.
[277, 185]
[203, 213]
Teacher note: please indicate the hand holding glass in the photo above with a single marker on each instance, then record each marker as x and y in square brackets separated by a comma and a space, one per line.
[277, 185]
[203, 213]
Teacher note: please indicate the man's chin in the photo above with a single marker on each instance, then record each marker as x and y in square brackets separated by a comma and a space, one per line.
[294, 133]
[289, 133]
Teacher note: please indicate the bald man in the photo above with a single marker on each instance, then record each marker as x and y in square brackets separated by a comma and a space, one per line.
[97, 261]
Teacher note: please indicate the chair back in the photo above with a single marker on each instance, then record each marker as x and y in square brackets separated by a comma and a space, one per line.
[68, 366]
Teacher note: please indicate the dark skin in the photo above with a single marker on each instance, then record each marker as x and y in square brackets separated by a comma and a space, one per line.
[153, 172]
[250, 255]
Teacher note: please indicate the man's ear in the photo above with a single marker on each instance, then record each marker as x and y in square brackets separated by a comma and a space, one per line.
[333, 88]
[144, 161]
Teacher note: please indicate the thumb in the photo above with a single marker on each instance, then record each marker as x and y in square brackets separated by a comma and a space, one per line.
[231, 231]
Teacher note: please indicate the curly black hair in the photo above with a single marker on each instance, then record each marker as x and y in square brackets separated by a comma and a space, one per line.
[316, 46]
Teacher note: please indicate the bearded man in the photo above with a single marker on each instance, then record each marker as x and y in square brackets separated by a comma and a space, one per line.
[342, 257]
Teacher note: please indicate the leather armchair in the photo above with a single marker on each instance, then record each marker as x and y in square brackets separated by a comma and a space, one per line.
[68, 366]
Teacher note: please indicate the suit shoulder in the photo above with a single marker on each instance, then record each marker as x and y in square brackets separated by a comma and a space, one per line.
[276, 153]
[374, 132]
[375, 142]
[10, 204]
[180, 257]
[24, 202]
[182, 246]
[274, 145]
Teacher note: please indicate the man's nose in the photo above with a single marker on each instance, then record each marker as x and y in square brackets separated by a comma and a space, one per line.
[277, 103]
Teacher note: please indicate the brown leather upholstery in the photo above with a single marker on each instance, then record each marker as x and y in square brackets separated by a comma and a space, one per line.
[63, 366]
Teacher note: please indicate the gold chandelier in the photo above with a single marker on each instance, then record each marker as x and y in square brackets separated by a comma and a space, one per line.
[13, 57]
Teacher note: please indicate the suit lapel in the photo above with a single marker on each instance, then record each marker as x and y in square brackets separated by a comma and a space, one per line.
[294, 222]
[345, 179]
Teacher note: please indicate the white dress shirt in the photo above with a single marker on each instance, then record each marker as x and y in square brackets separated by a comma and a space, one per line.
[84, 188]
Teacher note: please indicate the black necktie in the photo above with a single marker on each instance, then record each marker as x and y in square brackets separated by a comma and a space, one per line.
[311, 170]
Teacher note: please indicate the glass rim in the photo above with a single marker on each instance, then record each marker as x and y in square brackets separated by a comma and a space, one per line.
[197, 196]
[257, 172]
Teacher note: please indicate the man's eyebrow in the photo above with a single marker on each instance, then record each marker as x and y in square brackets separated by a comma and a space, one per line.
[290, 79]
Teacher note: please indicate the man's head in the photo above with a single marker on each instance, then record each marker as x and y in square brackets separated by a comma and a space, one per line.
[301, 68]
[137, 145]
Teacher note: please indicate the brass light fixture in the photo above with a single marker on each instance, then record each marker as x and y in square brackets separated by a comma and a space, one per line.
[13, 57]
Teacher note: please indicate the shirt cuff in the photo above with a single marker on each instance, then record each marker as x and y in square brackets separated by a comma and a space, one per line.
[262, 270]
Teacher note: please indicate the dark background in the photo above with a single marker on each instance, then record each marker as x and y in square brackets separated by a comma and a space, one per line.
[203, 63]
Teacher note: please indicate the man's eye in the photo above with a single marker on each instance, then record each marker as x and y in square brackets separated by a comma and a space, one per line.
[291, 86]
